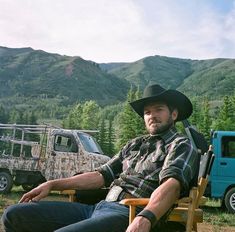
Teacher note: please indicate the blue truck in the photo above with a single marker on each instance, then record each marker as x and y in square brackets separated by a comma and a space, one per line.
[221, 183]
[222, 177]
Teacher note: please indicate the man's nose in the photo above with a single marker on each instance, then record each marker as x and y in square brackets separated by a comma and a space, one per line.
[152, 115]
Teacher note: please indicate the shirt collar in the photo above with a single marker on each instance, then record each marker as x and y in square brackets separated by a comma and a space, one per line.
[167, 136]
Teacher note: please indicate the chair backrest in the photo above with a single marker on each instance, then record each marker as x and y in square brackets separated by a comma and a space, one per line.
[196, 137]
[206, 163]
[200, 144]
[204, 172]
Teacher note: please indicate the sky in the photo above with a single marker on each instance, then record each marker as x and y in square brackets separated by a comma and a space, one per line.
[121, 30]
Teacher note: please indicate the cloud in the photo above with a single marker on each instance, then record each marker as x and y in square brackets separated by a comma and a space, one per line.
[193, 29]
[97, 30]
[124, 30]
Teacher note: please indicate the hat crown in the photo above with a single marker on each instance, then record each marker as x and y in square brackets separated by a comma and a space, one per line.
[153, 90]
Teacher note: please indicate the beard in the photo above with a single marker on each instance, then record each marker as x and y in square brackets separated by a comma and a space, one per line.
[161, 127]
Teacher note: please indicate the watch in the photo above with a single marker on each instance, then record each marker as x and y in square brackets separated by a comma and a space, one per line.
[149, 215]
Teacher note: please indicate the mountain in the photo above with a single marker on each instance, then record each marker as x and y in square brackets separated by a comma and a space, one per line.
[27, 74]
[32, 73]
[214, 78]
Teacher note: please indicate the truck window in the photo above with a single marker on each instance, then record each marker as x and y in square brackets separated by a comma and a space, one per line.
[65, 144]
[228, 146]
[89, 144]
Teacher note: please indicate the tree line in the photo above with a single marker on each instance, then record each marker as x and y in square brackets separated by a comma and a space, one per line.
[119, 123]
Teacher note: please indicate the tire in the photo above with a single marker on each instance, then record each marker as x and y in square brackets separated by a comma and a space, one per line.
[6, 182]
[229, 200]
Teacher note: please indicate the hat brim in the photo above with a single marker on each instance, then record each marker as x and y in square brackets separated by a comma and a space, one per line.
[171, 97]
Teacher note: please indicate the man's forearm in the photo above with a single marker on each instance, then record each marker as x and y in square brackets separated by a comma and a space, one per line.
[164, 197]
[90, 180]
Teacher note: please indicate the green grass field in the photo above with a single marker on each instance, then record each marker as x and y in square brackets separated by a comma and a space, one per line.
[214, 216]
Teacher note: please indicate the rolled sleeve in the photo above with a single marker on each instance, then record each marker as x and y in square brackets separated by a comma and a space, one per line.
[181, 164]
[111, 170]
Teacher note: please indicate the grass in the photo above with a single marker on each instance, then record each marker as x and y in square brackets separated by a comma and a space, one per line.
[213, 213]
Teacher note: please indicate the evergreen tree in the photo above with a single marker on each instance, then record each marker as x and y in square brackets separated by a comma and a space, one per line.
[102, 136]
[74, 119]
[195, 118]
[129, 123]
[225, 117]
[3, 115]
[90, 115]
[110, 139]
[137, 120]
[206, 120]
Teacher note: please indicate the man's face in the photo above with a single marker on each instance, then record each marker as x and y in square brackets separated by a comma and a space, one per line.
[158, 118]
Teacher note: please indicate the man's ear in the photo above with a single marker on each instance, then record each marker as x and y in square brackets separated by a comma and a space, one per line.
[174, 114]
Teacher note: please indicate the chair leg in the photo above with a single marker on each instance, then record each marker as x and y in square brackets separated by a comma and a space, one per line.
[191, 208]
[195, 227]
[131, 213]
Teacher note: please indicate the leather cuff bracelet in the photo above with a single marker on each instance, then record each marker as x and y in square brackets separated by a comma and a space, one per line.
[149, 215]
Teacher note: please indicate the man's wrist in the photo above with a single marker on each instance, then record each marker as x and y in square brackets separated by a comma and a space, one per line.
[149, 215]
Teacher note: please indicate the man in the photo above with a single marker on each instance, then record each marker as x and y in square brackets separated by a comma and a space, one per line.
[161, 166]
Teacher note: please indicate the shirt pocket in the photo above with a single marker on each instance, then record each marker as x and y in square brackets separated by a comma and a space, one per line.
[128, 163]
[151, 164]
[158, 158]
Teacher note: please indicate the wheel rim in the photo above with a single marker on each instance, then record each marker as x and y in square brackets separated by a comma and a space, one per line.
[3, 183]
[232, 201]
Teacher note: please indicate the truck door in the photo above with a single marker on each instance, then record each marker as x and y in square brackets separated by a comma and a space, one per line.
[64, 155]
[226, 162]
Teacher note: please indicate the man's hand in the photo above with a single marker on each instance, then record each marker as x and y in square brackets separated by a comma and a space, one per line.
[139, 224]
[37, 193]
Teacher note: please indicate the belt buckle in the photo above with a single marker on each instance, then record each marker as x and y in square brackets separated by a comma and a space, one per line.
[114, 193]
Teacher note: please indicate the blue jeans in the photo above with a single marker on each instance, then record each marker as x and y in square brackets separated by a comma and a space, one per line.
[47, 216]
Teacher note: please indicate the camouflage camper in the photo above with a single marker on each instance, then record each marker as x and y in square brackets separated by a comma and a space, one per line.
[32, 154]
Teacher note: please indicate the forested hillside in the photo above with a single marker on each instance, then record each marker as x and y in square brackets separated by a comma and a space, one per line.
[36, 74]
[36, 87]
[213, 78]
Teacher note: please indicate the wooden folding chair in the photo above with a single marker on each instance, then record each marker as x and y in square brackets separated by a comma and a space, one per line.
[187, 209]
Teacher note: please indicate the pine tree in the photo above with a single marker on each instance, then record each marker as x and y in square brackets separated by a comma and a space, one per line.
[206, 120]
[110, 139]
[225, 117]
[101, 138]
[74, 119]
[90, 115]
[130, 125]
[3, 115]
[195, 118]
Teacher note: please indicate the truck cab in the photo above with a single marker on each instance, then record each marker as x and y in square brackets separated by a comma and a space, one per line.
[71, 152]
[222, 178]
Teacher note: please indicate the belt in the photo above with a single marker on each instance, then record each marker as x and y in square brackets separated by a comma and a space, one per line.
[117, 193]
[125, 195]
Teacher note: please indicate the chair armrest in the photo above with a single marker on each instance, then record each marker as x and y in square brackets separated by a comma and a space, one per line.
[71, 193]
[68, 192]
[135, 201]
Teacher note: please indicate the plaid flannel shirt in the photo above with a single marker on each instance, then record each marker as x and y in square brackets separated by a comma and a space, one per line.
[145, 162]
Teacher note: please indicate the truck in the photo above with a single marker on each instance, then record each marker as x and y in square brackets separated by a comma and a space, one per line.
[222, 178]
[221, 184]
[33, 154]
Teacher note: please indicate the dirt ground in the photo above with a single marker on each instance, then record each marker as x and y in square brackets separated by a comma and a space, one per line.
[203, 227]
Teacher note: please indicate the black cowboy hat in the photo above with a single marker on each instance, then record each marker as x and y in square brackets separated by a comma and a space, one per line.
[171, 97]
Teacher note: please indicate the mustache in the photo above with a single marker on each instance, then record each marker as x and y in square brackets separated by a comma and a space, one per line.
[151, 121]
